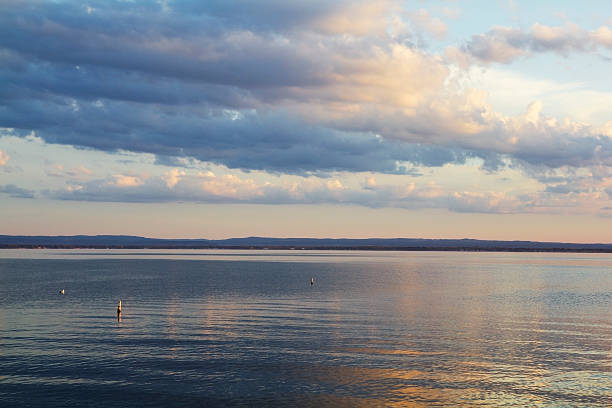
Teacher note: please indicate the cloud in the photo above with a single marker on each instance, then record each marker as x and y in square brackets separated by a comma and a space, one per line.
[361, 18]
[276, 86]
[562, 190]
[16, 192]
[508, 91]
[173, 176]
[121, 180]
[505, 44]
[571, 190]
[207, 187]
[595, 181]
[77, 172]
[4, 158]
[273, 142]
[177, 88]
[502, 44]
[369, 182]
[424, 21]
[484, 203]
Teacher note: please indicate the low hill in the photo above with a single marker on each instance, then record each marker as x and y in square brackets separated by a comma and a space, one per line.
[127, 241]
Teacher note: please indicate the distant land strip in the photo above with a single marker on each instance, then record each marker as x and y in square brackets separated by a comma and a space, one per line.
[368, 244]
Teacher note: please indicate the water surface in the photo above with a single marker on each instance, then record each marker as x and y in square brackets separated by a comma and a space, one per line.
[246, 328]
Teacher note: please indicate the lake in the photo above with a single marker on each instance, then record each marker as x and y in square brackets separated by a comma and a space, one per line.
[246, 328]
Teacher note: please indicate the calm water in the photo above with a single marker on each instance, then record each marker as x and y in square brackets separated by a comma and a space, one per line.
[245, 328]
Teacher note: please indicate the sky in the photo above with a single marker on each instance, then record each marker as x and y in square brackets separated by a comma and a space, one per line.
[379, 118]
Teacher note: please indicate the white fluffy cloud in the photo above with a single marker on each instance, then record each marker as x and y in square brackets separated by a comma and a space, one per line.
[121, 180]
[173, 176]
[563, 191]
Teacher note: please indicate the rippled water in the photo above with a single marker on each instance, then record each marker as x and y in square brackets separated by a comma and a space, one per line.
[246, 328]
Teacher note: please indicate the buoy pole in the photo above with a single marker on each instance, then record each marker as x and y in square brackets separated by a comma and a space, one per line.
[119, 310]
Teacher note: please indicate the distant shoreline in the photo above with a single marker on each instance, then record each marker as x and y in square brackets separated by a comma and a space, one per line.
[322, 248]
[319, 244]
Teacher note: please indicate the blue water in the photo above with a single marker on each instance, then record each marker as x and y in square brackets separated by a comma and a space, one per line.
[246, 328]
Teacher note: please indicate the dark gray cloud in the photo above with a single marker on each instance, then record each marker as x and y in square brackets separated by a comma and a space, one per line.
[136, 37]
[273, 142]
[273, 15]
[90, 83]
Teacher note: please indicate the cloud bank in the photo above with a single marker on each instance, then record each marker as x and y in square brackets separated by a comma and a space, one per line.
[299, 88]
[278, 86]
[177, 185]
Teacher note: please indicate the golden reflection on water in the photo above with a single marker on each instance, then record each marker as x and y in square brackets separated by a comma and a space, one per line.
[350, 375]
[403, 388]
[405, 352]
[342, 401]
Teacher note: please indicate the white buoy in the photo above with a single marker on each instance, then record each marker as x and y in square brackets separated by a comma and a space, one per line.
[311, 281]
[62, 292]
[119, 307]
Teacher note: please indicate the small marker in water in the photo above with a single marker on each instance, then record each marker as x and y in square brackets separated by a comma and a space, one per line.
[62, 292]
[311, 281]
[119, 308]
